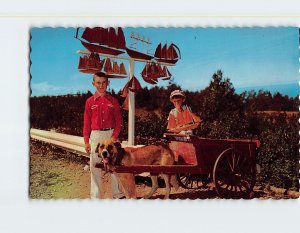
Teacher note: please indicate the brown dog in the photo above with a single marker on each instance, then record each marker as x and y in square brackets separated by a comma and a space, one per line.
[113, 154]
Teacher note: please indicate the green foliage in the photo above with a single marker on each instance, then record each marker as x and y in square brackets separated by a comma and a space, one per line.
[228, 125]
[264, 101]
[219, 97]
[150, 129]
[156, 98]
[63, 113]
[278, 155]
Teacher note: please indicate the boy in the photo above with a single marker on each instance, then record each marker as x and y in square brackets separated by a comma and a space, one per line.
[181, 119]
[102, 121]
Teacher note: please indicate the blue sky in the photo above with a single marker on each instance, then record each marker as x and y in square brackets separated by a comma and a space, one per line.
[253, 58]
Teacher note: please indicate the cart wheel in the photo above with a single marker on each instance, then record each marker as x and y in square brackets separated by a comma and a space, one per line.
[233, 175]
[193, 181]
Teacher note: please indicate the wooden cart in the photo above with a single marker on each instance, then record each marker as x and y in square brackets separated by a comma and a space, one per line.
[230, 163]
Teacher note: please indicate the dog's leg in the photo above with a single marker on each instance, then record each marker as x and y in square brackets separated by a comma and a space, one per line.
[153, 188]
[128, 184]
[168, 186]
[174, 182]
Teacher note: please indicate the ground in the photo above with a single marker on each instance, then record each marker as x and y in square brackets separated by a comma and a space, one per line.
[57, 174]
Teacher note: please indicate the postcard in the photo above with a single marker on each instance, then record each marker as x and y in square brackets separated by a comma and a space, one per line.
[164, 113]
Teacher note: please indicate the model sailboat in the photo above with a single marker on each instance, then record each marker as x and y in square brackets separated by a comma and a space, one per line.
[167, 54]
[153, 71]
[133, 85]
[133, 50]
[90, 64]
[114, 70]
[148, 73]
[103, 40]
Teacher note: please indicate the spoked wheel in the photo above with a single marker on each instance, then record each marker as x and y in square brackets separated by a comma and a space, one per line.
[193, 181]
[233, 175]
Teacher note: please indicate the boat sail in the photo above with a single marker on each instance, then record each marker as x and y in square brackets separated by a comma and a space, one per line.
[120, 41]
[103, 40]
[167, 75]
[167, 54]
[164, 51]
[116, 68]
[107, 66]
[122, 69]
[160, 71]
[158, 51]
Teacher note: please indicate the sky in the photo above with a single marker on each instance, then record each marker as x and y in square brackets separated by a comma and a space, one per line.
[252, 57]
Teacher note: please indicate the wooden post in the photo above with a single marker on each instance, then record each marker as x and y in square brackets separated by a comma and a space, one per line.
[131, 110]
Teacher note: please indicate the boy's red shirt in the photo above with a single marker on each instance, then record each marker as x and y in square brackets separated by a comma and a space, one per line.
[101, 113]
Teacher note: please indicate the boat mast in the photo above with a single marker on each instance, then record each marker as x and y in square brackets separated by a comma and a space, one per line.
[134, 40]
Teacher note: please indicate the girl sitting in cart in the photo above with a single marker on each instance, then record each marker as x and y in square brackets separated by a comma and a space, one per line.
[181, 119]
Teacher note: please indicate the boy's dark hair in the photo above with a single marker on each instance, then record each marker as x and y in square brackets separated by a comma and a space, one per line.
[100, 74]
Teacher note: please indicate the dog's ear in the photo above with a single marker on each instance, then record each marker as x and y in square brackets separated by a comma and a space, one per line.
[97, 148]
[118, 159]
[118, 145]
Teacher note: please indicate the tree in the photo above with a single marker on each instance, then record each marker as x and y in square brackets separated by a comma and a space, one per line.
[219, 97]
[282, 103]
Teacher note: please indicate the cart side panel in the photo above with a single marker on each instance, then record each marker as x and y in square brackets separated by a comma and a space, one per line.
[184, 152]
[208, 150]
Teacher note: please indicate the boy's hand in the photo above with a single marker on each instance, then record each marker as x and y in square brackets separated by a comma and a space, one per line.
[87, 147]
[113, 140]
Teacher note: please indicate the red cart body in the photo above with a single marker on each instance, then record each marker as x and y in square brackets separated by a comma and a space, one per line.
[230, 163]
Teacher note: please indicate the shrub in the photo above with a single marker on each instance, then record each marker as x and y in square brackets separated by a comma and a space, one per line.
[278, 155]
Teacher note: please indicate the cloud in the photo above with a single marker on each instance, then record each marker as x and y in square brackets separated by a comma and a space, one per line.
[45, 88]
[194, 83]
[76, 77]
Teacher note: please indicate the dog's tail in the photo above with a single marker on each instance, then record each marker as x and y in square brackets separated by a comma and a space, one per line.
[174, 182]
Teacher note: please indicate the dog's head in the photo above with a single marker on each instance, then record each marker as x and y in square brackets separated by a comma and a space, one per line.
[111, 154]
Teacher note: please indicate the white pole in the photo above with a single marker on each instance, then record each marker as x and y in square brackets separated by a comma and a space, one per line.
[131, 110]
